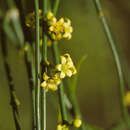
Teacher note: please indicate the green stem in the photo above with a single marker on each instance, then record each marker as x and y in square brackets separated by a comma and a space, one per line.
[31, 72]
[60, 88]
[44, 58]
[27, 33]
[13, 97]
[116, 58]
[75, 107]
[56, 5]
[57, 58]
[37, 67]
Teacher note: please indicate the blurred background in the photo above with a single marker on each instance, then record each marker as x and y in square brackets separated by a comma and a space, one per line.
[98, 86]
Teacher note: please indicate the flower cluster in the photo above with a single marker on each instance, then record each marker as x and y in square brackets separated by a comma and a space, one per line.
[30, 19]
[58, 29]
[66, 68]
[50, 83]
[62, 127]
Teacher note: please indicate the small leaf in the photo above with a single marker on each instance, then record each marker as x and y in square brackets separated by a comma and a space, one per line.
[75, 77]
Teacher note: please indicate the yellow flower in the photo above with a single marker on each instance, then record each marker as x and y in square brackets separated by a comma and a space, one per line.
[49, 15]
[77, 123]
[30, 20]
[66, 67]
[62, 127]
[57, 79]
[127, 98]
[58, 29]
[50, 83]
[59, 127]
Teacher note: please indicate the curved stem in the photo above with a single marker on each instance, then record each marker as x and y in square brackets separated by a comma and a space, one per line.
[37, 67]
[75, 110]
[13, 98]
[116, 58]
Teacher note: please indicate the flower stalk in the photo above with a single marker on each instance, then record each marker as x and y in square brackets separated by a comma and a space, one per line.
[37, 67]
[13, 98]
[44, 59]
[60, 88]
[116, 58]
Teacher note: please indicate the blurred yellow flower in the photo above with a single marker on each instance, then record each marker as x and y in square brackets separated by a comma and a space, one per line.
[66, 67]
[77, 123]
[30, 19]
[62, 127]
[127, 98]
[49, 43]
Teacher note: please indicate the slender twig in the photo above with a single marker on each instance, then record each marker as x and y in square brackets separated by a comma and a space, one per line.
[116, 58]
[75, 110]
[37, 67]
[60, 88]
[55, 7]
[28, 60]
[44, 58]
[31, 72]
[14, 101]
[57, 58]
[27, 33]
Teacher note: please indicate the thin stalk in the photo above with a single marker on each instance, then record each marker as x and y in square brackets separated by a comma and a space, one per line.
[37, 67]
[44, 58]
[27, 33]
[116, 58]
[60, 88]
[31, 72]
[56, 5]
[28, 60]
[13, 98]
[75, 110]
[57, 58]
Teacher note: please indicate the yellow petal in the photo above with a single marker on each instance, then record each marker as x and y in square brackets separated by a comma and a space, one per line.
[53, 21]
[67, 55]
[69, 37]
[43, 84]
[69, 73]
[45, 77]
[68, 21]
[51, 28]
[61, 21]
[49, 15]
[63, 59]
[58, 67]
[62, 75]
[59, 127]
[53, 36]
[74, 71]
